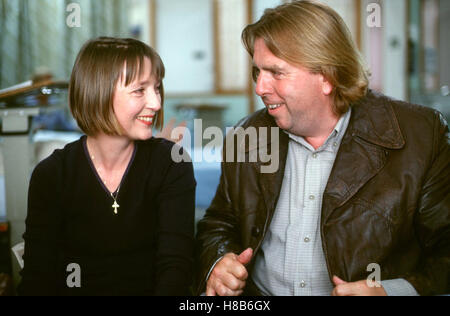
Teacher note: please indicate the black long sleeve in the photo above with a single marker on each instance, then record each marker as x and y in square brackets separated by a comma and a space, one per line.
[44, 224]
[145, 249]
[175, 246]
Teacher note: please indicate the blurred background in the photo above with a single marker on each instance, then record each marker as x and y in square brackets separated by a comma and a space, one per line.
[207, 69]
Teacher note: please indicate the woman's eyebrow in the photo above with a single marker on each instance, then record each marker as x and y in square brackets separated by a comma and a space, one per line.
[140, 83]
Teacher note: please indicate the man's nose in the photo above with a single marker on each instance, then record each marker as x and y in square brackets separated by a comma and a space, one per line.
[262, 84]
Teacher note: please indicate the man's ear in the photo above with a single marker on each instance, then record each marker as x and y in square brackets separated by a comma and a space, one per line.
[327, 87]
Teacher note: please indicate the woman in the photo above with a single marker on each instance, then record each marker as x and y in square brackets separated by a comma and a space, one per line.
[112, 214]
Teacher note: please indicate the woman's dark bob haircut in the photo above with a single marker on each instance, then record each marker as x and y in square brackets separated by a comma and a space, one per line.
[98, 68]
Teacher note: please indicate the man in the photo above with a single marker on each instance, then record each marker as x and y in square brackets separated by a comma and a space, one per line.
[362, 188]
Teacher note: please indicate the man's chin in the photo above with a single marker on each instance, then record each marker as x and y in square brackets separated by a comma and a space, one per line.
[281, 124]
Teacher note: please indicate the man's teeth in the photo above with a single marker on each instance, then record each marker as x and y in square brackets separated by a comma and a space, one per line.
[274, 106]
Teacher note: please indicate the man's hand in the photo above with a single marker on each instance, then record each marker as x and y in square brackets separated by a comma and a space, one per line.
[229, 275]
[167, 131]
[359, 288]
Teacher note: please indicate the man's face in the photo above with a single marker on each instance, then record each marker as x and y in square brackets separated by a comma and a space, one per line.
[296, 98]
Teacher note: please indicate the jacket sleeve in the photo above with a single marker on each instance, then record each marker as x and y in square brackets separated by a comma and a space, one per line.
[43, 231]
[432, 219]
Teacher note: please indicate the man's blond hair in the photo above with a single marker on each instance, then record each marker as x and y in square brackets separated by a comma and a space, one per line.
[312, 35]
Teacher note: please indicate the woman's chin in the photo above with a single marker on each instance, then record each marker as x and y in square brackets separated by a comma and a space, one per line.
[143, 136]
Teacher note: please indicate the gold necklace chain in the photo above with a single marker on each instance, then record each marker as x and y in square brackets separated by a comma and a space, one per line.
[115, 205]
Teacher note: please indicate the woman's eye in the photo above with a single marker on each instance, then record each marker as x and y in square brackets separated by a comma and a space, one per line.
[139, 91]
[158, 89]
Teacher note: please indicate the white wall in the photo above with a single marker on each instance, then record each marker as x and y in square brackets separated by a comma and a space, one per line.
[346, 9]
[373, 45]
[139, 11]
[185, 42]
[385, 48]
[2, 197]
[395, 48]
[444, 42]
[260, 5]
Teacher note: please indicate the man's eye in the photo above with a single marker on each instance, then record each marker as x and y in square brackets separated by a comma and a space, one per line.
[276, 73]
[255, 73]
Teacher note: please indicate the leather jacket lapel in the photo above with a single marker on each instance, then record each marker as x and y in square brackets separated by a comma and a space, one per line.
[357, 162]
[373, 131]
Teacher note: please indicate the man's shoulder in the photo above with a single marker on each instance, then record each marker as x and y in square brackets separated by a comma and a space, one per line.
[390, 123]
[406, 112]
[259, 118]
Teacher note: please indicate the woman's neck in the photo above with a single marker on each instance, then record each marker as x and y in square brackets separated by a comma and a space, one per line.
[110, 152]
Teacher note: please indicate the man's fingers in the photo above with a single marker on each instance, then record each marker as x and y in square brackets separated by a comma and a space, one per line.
[351, 289]
[210, 291]
[182, 124]
[171, 123]
[245, 256]
[239, 272]
[228, 276]
[233, 283]
[231, 275]
[216, 287]
[167, 131]
[223, 290]
[230, 264]
[342, 290]
[359, 288]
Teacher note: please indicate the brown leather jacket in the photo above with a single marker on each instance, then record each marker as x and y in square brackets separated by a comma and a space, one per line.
[387, 200]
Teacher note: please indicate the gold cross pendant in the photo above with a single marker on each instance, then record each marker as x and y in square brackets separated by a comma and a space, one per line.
[115, 206]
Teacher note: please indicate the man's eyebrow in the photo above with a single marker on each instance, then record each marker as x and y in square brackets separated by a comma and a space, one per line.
[272, 68]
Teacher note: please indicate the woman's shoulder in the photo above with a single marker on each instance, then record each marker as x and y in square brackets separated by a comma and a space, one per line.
[58, 158]
[166, 154]
[160, 146]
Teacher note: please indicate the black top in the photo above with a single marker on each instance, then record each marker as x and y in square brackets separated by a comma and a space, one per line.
[147, 248]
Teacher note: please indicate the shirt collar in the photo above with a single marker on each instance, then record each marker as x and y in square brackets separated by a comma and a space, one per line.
[334, 139]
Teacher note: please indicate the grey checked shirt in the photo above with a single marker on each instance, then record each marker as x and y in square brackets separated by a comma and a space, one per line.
[291, 260]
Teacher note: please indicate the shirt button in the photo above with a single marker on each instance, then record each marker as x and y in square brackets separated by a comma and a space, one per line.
[314, 156]
[255, 231]
[307, 239]
[312, 197]
[334, 144]
[302, 284]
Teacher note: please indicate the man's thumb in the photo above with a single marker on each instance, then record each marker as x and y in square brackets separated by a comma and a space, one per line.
[338, 281]
[245, 256]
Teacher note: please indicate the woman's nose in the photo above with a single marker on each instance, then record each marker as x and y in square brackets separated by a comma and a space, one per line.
[153, 101]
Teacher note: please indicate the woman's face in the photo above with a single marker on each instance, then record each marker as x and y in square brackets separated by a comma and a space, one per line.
[135, 105]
